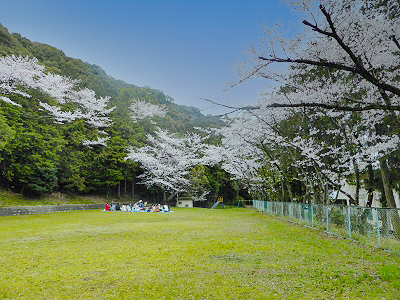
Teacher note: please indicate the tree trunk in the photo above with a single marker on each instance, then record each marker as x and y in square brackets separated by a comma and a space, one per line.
[171, 196]
[370, 185]
[326, 193]
[274, 184]
[366, 212]
[357, 174]
[119, 190]
[289, 188]
[312, 200]
[338, 188]
[395, 218]
[386, 184]
[133, 186]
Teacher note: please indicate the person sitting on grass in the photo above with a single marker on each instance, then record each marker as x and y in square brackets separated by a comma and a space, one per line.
[139, 204]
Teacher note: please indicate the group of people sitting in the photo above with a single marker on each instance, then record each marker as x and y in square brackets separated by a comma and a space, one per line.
[139, 206]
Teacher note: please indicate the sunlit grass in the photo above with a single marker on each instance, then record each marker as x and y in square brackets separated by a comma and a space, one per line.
[187, 254]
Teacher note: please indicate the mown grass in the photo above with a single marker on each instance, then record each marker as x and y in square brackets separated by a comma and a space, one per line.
[186, 254]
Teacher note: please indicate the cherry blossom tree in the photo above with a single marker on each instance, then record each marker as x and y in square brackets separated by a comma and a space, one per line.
[19, 75]
[343, 65]
[340, 37]
[322, 148]
[142, 110]
[168, 159]
[238, 153]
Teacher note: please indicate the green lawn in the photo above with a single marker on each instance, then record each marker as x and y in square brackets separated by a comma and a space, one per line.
[186, 254]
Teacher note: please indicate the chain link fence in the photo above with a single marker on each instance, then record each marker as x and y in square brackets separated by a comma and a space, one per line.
[379, 227]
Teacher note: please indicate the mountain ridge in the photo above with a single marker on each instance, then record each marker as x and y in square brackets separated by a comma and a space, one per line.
[95, 78]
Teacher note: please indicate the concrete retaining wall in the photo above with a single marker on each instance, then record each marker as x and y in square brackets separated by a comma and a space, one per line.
[27, 210]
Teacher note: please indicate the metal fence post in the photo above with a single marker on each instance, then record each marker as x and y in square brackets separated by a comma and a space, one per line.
[301, 210]
[312, 215]
[349, 221]
[327, 218]
[377, 226]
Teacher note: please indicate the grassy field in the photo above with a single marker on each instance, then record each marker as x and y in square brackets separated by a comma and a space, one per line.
[186, 254]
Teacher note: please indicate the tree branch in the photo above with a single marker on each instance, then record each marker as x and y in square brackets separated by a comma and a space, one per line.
[360, 69]
[314, 104]
[332, 65]
[357, 69]
[346, 48]
[395, 41]
[232, 107]
[317, 29]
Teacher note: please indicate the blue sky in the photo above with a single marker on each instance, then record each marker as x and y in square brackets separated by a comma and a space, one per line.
[187, 49]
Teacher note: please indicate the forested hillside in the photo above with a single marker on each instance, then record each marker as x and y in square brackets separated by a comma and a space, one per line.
[179, 117]
[328, 133]
[40, 155]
